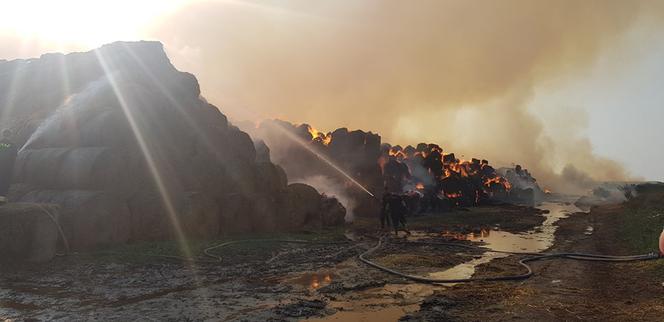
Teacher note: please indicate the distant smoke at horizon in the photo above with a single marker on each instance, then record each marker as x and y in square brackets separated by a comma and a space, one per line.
[458, 73]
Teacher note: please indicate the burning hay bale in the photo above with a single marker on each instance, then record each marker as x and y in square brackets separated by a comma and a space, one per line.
[429, 179]
[440, 177]
[306, 155]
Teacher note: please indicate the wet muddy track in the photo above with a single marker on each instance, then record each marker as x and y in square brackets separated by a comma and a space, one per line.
[561, 290]
[279, 282]
[76, 287]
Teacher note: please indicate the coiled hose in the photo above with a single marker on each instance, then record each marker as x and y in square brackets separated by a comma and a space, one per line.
[529, 272]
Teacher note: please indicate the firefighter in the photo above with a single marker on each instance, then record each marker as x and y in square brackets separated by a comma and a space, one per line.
[384, 215]
[394, 209]
[8, 153]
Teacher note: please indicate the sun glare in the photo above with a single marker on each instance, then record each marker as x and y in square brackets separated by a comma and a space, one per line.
[81, 22]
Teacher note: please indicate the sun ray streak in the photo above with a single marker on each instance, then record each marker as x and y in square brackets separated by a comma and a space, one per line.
[186, 116]
[10, 96]
[149, 158]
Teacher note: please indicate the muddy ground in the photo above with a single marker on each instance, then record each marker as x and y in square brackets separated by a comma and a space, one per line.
[271, 281]
[566, 290]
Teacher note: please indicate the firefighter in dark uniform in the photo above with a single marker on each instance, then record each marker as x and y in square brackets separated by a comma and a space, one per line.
[384, 215]
[394, 209]
[8, 153]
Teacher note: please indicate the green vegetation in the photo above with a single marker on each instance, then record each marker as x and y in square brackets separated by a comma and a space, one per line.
[642, 222]
[643, 219]
[257, 245]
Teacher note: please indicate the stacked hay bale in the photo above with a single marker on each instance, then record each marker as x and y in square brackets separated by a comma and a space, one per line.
[28, 232]
[136, 154]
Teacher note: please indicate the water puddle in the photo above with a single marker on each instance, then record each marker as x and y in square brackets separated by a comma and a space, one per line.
[392, 313]
[537, 240]
[313, 280]
[392, 301]
[387, 303]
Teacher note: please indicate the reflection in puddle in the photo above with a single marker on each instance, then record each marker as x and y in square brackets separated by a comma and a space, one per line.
[392, 313]
[313, 280]
[392, 301]
[483, 233]
[387, 303]
[536, 240]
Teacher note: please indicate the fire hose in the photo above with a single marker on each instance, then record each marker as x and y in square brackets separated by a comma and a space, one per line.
[65, 241]
[523, 262]
[216, 258]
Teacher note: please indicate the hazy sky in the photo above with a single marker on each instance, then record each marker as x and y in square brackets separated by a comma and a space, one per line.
[554, 82]
[623, 97]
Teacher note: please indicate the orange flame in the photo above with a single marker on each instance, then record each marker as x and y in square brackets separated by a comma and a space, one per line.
[453, 195]
[316, 135]
[397, 154]
[498, 180]
[483, 233]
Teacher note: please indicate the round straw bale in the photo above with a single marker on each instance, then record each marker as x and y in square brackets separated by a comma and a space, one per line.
[88, 218]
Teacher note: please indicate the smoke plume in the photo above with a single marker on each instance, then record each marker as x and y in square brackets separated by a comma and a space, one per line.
[332, 188]
[461, 73]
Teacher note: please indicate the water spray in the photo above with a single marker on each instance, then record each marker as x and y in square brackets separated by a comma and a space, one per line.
[323, 158]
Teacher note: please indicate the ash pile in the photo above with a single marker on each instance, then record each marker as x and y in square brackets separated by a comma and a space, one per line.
[428, 178]
[125, 148]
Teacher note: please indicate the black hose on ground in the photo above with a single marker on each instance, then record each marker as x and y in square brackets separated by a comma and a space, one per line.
[363, 257]
[522, 262]
[218, 259]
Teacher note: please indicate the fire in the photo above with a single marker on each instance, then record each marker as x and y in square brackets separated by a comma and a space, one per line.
[316, 135]
[453, 195]
[498, 180]
[547, 191]
[316, 281]
[399, 154]
[483, 233]
[455, 177]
